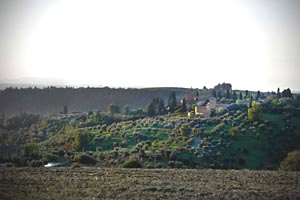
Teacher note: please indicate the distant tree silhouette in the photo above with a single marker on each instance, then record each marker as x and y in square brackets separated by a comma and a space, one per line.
[278, 93]
[126, 109]
[228, 94]
[287, 93]
[234, 95]
[81, 140]
[113, 109]
[258, 95]
[172, 102]
[156, 107]
[214, 93]
[247, 93]
[250, 103]
[151, 109]
[65, 110]
[241, 96]
[160, 106]
[183, 105]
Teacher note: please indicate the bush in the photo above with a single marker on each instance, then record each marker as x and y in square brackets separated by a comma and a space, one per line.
[234, 131]
[36, 163]
[52, 157]
[175, 164]
[32, 150]
[173, 156]
[86, 159]
[291, 162]
[185, 129]
[75, 165]
[81, 140]
[254, 112]
[132, 163]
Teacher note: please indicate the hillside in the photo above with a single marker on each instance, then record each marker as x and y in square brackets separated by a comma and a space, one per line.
[52, 100]
[257, 138]
[117, 183]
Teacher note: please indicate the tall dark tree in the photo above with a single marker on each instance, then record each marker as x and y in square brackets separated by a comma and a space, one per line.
[278, 93]
[126, 109]
[172, 102]
[183, 106]
[250, 103]
[161, 106]
[258, 95]
[151, 109]
[247, 93]
[65, 109]
[113, 109]
[234, 95]
[214, 93]
[228, 94]
[156, 107]
[81, 140]
[287, 93]
[241, 96]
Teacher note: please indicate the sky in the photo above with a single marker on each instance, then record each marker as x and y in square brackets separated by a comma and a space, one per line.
[251, 44]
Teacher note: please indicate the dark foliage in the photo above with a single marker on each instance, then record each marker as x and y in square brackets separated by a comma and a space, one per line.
[86, 159]
[132, 163]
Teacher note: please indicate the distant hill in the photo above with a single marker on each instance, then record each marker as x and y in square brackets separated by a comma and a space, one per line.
[52, 99]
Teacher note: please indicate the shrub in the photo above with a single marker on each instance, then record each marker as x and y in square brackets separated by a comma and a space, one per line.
[132, 163]
[291, 162]
[254, 112]
[86, 159]
[36, 163]
[52, 157]
[32, 150]
[75, 165]
[173, 155]
[175, 164]
[81, 140]
[185, 129]
[234, 131]
[60, 153]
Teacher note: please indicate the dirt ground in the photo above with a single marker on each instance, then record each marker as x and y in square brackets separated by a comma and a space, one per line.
[99, 183]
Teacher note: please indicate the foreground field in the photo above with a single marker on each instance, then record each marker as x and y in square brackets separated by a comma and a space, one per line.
[96, 183]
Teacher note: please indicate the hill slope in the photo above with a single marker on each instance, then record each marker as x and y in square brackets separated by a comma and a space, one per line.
[52, 99]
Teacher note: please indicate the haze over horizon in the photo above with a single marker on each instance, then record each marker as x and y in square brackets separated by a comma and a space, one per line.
[253, 45]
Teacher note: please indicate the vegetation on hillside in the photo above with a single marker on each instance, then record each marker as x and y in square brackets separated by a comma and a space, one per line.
[258, 135]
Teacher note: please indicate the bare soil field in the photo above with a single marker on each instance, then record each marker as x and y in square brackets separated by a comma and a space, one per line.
[116, 183]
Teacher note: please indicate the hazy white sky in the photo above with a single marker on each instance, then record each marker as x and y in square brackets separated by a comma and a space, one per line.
[251, 44]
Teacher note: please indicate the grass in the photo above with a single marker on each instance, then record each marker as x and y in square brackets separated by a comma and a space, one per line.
[295, 121]
[256, 155]
[274, 117]
[177, 144]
